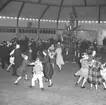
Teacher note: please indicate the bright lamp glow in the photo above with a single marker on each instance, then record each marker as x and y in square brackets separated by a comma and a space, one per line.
[50, 20]
[11, 17]
[20, 18]
[36, 19]
[26, 18]
[4, 17]
[0, 17]
[86, 21]
[15, 17]
[104, 21]
[8, 17]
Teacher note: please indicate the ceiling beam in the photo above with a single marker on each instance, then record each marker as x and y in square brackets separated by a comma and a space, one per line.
[39, 1]
[44, 12]
[56, 5]
[21, 8]
[59, 11]
[99, 8]
[74, 11]
[5, 4]
[85, 2]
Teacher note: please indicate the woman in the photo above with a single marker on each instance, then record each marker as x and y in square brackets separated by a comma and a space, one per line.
[48, 68]
[95, 77]
[59, 57]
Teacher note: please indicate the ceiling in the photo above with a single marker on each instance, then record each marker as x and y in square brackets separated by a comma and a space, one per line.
[91, 10]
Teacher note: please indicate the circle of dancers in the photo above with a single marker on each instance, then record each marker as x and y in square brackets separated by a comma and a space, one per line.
[42, 66]
[92, 71]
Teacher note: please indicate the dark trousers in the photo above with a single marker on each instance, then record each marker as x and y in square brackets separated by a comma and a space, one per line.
[4, 60]
[14, 70]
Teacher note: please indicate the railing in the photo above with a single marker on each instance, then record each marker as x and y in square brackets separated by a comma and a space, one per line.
[5, 29]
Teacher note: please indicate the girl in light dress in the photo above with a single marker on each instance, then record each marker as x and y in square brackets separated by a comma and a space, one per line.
[59, 57]
[83, 72]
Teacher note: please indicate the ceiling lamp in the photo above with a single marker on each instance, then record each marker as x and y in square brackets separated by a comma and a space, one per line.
[36, 19]
[15, 17]
[4, 17]
[50, 20]
[8, 17]
[11, 18]
[104, 21]
[86, 21]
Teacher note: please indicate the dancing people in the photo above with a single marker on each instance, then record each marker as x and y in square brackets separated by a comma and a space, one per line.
[59, 57]
[22, 70]
[37, 74]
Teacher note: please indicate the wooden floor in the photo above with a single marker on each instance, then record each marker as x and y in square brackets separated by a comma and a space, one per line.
[63, 92]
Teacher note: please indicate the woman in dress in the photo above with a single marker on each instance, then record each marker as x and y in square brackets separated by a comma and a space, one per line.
[95, 77]
[59, 57]
[22, 70]
[83, 72]
[48, 68]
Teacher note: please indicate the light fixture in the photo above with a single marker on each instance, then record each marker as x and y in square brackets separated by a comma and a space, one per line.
[104, 21]
[89, 21]
[93, 21]
[33, 19]
[4, 17]
[86, 21]
[55, 21]
[23, 18]
[8, 17]
[0, 17]
[50, 20]
[96, 21]
[15, 17]
[30, 19]
[20, 18]
[37, 19]
[82, 21]
[11, 17]
[26, 18]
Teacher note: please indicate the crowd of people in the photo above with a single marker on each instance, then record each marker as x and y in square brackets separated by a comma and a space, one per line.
[43, 56]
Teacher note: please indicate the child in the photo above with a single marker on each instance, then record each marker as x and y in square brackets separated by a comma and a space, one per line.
[95, 77]
[22, 71]
[37, 74]
[83, 72]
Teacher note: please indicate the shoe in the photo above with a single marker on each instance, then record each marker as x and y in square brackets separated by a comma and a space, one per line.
[31, 86]
[75, 75]
[42, 89]
[26, 79]
[76, 84]
[50, 85]
[16, 83]
[82, 87]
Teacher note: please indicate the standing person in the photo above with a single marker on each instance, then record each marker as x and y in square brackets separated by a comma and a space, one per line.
[83, 72]
[37, 74]
[48, 68]
[17, 59]
[22, 70]
[95, 78]
[59, 57]
[51, 52]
